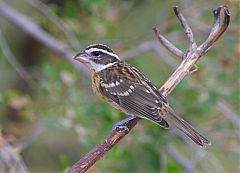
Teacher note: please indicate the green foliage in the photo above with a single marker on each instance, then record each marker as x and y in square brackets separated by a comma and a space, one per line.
[64, 162]
[94, 3]
[173, 167]
[1, 97]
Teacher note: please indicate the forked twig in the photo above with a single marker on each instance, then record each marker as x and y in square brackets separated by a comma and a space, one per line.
[167, 44]
[190, 57]
[187, 29]
[217, 29]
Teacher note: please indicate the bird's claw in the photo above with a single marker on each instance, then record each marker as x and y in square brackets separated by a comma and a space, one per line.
[120, 127]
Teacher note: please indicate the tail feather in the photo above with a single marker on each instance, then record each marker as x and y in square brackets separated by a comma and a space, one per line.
[186, 128]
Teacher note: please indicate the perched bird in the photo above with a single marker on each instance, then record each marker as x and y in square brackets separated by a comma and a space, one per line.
[127, 89]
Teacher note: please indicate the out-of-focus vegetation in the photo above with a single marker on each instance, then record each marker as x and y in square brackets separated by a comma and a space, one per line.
[56, 116]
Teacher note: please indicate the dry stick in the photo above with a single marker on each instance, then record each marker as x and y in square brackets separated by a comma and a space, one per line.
[192, 56]
[187, 29]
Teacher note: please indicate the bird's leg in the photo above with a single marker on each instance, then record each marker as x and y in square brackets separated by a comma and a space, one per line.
[121, 125]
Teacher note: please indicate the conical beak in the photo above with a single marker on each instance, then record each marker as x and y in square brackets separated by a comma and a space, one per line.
[82, 57]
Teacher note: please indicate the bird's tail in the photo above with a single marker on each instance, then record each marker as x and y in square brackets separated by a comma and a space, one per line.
[186, 128]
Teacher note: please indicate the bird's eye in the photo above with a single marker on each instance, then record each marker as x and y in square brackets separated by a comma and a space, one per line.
[96, 53]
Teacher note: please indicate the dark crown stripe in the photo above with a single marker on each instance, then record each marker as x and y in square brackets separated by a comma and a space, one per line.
[100, 46]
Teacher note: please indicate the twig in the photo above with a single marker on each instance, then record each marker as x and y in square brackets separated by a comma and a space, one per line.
[191, 58]
[56, 20]
[9, 157]
[187, 29]
[194, 55]
[147, 46]
[95, 154]
[141, 48]
[217, 29]
[221, 104]
[13, 62]
[229, 113]
[167, 44]
[187, 164]
[32, 134]
[31, 28]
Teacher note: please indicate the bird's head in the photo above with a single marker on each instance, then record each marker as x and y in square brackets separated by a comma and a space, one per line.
[98, 57]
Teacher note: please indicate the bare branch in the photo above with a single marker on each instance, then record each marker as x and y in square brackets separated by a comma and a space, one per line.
[10, 158]
[187, 164]
[143, 47]
[217, 29]
[180, 73]
[13, 62]
[167, 44]
[193, 55]
[232, 116]
[100, 150]
[31, 28]
[33, 133]
[57, 21]
[187, 29]
[147, 46]
[222, 106]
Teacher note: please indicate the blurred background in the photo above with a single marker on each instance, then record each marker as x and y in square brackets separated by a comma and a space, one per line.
[50, 118]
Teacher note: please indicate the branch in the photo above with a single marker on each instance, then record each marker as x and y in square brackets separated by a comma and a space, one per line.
[187, 29]
[191, 56]
[14, 63]
[187, 164]
[100, 150]
[10, 158]
[167, 44]
[217, 29]
[55, 20]
[232, 116]
[31, 28]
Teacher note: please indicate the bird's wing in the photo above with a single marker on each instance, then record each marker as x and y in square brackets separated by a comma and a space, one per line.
[134, 93]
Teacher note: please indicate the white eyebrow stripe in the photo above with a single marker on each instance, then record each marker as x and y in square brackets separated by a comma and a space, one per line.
[101, 50]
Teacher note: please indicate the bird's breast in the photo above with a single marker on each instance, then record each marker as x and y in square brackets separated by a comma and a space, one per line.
[96, 80]
[95, 83]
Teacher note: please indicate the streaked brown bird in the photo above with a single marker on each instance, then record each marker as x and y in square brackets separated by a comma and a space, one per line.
[127, 89]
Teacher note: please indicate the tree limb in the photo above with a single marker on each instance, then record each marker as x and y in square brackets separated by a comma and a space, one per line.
[190, 57]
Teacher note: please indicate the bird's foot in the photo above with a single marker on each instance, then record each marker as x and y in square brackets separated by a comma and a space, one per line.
[121, 125]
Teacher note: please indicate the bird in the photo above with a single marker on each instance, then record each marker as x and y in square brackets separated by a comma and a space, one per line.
[127, 89]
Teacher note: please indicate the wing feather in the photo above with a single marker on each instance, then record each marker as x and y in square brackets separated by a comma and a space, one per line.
[135, 97]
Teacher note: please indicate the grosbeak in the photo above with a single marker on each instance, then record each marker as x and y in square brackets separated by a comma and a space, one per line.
[128, 90]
